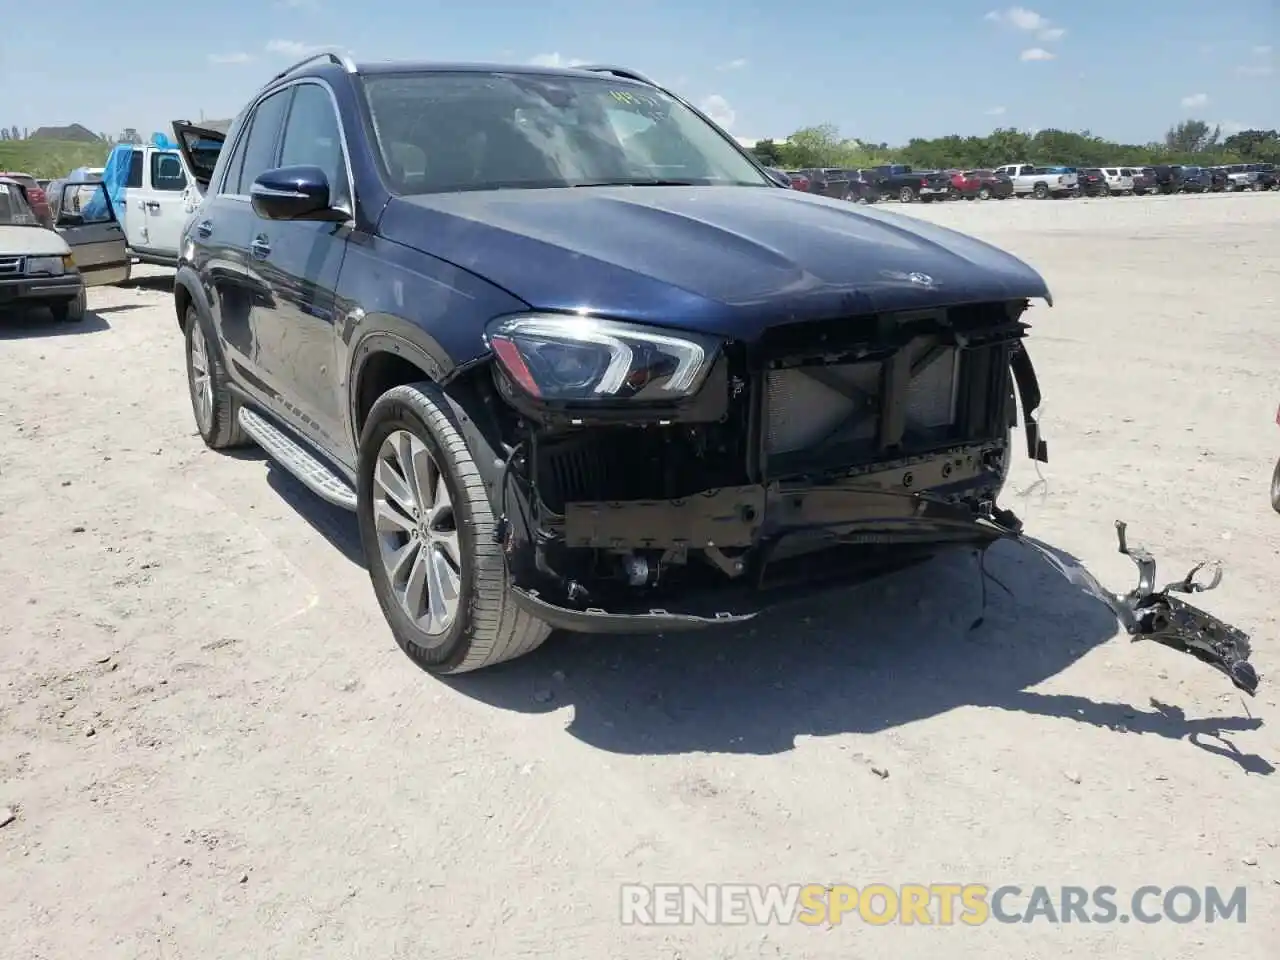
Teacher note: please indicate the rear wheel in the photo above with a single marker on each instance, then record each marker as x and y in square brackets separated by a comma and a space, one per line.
[70, 311]
[1275, 488]
[427, 528]
[1104, 190]
[984, 193]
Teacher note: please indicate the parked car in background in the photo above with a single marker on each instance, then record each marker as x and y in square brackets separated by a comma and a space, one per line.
[1039, 182]
[35, 194]
[1168, 177]
[1217, 179]
[1119, 179]
[798, 180]
[154, 211]
[782, 176]
[1144, 181]
[51, 267]
[1266, 175]
[907, 184]
[1092, 182]
[991, 185]
[1196, 180]
[1239, 177]
[407, 339]
[963, 186]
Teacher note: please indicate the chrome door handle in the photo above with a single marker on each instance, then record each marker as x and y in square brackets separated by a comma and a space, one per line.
[261, 248]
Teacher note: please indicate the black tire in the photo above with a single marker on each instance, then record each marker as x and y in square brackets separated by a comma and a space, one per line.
[489, 627]
[70, 311]
[906, 195]
[221, 429]
[984, 193]
[1275, 488]
[1104, 190]
[1041, 191]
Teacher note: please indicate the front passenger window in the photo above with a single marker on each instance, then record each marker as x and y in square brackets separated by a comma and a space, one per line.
[312, 138]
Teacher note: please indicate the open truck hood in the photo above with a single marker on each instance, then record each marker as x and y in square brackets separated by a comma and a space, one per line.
[200, 144]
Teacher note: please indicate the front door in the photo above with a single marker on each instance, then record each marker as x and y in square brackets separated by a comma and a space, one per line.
[163, 203]
[297, 264]
[87, 222]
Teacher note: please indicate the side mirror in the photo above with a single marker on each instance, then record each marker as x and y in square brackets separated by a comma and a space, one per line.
[293, 193]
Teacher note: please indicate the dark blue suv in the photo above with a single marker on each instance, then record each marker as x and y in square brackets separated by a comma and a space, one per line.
[577, 360]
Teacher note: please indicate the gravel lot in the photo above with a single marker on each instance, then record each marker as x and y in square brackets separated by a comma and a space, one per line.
[211, 747]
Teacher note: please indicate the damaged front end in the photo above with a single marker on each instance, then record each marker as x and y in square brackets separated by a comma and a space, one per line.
[660, 480]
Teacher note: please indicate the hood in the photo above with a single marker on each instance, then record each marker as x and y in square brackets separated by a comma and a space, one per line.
[31, 242]
[727, 260]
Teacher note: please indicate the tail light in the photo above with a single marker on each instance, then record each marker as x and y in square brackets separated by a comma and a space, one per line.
[924, 183]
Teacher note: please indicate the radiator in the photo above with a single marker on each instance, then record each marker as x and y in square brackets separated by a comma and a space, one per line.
[840, 403]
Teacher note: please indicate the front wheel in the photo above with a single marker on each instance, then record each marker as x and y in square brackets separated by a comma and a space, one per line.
[906, 195]
[984, 194]
[1041, 192]
[1275, 488]
[427, 528]
[70, 311]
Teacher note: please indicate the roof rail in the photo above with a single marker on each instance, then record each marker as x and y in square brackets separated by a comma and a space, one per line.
[623, 72]
[344, 62]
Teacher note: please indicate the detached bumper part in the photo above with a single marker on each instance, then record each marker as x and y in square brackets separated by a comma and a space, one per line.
[1154, 614]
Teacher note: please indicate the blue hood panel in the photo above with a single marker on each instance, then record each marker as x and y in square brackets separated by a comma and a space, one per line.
[731, 261]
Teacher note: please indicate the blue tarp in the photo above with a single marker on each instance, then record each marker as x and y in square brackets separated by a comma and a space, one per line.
[114, 177]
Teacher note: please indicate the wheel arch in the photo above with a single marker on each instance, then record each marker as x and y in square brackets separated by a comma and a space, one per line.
[384, 360]
[188, 292]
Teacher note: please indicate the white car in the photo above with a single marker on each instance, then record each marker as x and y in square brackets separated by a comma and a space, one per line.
[51, 268]
[1119, 179]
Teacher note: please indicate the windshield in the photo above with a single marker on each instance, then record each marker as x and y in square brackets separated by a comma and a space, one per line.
[443, 132]
[14, 209]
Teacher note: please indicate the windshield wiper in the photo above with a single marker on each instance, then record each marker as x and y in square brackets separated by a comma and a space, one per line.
[638, 182]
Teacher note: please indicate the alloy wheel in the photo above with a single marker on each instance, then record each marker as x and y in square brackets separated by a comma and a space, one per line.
[201, 380]
[417, 532]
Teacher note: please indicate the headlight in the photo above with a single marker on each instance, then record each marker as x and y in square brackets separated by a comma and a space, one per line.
[47, 266]
[578, 358]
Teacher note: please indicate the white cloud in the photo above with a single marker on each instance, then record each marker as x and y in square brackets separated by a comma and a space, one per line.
[555, 60]
[291, 48]
[1036, 53]
[1028, 21]
[227, 58]
[1264, 50]
[717, 108]
[995, 112]
[1256, 70]
[737, 64]
[1195, 100]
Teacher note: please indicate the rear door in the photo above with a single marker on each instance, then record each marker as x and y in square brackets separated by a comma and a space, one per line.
[87, 221]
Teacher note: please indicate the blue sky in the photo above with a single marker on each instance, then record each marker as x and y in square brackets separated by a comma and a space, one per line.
[881, 71]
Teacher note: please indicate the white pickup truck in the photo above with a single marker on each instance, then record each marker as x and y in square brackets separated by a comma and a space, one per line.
[1039, 182]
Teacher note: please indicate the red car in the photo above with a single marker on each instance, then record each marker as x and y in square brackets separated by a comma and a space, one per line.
[966, 185]
[35, 196]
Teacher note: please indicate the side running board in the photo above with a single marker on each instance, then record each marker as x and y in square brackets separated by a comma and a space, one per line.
[311, 471]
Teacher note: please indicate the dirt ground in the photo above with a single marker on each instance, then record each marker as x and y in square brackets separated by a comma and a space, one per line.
[210, 746]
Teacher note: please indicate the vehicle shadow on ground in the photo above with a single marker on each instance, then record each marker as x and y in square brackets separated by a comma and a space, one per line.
[162, 283]
[38, 322]
[886, 653]
[336, 525]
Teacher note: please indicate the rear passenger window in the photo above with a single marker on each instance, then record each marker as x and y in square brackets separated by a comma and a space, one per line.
[135, 170]
[312, 138]
[258, 145]
[166, 172]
